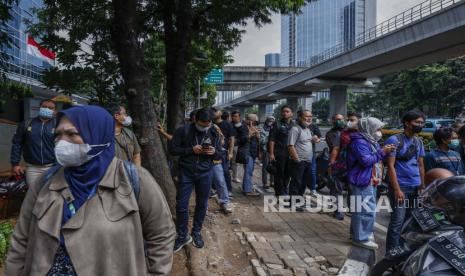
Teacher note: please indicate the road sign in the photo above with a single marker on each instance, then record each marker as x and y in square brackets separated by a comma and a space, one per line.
[215, 76]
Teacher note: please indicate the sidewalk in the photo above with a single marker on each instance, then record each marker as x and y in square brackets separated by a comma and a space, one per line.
[250, 241]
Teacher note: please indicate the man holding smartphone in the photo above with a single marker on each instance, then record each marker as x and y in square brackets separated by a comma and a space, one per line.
[197, 145]
[406, 174]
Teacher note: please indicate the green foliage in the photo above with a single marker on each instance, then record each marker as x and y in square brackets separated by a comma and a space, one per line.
[437, 89]
[320, 109]
[13, 91]
[6, 229]
[251, 110]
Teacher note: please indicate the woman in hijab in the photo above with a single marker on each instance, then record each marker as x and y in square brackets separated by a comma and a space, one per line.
[365, 172]
[88, 218]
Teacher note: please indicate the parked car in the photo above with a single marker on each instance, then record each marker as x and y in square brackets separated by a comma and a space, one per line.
[432, 124]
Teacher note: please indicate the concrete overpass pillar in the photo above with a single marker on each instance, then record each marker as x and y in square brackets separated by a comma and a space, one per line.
[294, 103]
[338, 100]
[262, 112]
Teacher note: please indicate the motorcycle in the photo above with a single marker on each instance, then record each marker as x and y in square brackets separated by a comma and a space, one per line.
[434, 239]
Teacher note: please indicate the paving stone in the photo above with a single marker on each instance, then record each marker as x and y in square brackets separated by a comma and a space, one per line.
[262, 239]
[269, 257]
[260, 245]
[312, 252]
[337, 261]
[280, 272]
[333, 270]
[320, 259]
[287, 238]
[274, 266]
[286, 245]
[293, 261]
[250, 237]
[312, 271]
[255, 262]
[309, 260]
[299, 272]
[259, 271]
[276, 245]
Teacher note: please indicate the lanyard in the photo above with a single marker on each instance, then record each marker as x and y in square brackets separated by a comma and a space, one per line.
[71, 206]
[456, 168]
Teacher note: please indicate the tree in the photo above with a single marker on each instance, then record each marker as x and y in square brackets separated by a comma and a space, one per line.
[216, 23]
[321, 109]
[83, 32]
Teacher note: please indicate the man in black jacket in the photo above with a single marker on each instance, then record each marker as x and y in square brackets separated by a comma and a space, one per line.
[34, 139]
[277, 144]
[197, 145]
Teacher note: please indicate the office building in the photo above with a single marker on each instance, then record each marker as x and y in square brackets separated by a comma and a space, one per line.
[272, 60]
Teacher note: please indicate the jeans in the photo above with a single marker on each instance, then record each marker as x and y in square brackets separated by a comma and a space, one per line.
[313, 174]
[227, 174]
[336, 187]
[234, 164]
[221, 188]
[281, 179]
[364, 215]
[248, 173]
[400, 213]
[300, 173]
[202, 184]
[265, 162]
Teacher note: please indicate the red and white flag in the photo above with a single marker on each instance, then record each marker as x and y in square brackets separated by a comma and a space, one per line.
[34, 49]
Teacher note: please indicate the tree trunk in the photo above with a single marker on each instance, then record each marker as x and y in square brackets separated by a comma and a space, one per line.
[137, 81]
[177, 27]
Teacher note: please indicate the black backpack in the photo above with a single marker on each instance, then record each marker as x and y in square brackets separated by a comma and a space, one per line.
[411, 151]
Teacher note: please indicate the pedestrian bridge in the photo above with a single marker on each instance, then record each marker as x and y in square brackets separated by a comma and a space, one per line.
[431, 31]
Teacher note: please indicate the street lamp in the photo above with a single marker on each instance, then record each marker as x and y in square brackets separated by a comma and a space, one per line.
[200, 56]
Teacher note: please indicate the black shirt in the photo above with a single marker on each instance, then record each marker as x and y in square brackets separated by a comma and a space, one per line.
[228, 131]
[278, 134]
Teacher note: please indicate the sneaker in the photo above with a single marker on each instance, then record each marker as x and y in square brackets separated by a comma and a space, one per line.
[198, 241]
[181, 242]
[253, 193]
[372, 237]
[237, 180]
[368, 244]
[314, 193]
[225, 208]
[338, 215]
[231, 196]
[213, 193]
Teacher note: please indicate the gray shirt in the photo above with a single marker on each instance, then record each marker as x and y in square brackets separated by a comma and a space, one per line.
[301, 139]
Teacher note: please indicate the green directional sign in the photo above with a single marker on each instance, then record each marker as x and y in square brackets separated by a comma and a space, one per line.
[214, 77]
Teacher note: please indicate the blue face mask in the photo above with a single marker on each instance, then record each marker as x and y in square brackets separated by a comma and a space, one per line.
[45, 113]
[454, 143]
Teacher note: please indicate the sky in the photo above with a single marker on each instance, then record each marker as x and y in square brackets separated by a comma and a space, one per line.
[258, 42]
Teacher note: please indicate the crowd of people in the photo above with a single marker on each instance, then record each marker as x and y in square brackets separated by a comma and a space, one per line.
[97, 191]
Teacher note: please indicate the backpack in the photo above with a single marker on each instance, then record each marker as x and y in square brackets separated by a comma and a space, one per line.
[411, 151]
[340, 167]
[130, 168]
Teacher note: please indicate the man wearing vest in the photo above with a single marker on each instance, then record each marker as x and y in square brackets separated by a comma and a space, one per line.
[406, 174]
[300, 148]
[126, 146]
[277, 144]
[35, 140]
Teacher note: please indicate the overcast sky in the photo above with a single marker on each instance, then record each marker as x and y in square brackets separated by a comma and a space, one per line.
[258, 42]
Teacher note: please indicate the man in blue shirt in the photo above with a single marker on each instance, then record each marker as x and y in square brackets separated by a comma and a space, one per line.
[35, 140]
[406, 174]
[445, 156]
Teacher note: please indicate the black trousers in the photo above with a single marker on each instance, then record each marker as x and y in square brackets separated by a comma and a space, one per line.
[300, 175]
[282, 177]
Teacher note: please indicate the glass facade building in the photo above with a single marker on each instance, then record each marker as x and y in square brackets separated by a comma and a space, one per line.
[22, 66]
[321, 25]
[272, 60]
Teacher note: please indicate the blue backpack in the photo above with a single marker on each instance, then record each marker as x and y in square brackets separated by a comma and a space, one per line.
[130, 168]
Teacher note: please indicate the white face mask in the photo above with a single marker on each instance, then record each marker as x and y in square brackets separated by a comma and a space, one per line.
[238, 124]
[127, 121]
[378, 135]
[74, 155]
[351, 125]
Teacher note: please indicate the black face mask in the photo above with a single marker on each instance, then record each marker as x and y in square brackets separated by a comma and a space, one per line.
[417, 129]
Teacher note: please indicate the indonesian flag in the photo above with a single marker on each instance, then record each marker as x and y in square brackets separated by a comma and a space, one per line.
[34, 49]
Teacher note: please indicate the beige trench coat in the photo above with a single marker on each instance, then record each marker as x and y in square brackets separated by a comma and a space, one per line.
[105, 236]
